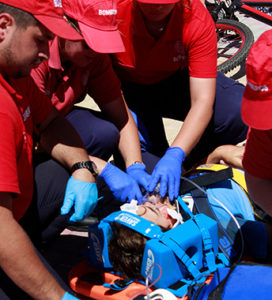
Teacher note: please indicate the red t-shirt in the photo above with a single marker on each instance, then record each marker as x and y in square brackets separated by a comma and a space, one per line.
[189, 40]
[257, 159]
[20, 110]
[70, 86]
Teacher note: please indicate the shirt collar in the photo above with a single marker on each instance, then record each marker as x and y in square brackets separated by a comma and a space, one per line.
[170, 33]
[54, 61]
[9, 88]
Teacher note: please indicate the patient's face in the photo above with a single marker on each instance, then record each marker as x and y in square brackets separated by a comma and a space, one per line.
[156, 211]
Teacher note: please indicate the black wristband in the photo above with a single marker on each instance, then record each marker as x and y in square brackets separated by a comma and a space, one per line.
[89, 165]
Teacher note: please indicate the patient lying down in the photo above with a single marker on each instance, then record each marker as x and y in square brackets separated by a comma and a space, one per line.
[126, 246]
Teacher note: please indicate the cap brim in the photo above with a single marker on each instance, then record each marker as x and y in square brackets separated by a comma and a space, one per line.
[59, 27]
[256, 113]
[102, 41]
[158, 1]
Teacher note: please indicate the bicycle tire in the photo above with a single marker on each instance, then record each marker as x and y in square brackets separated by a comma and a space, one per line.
[234, 40]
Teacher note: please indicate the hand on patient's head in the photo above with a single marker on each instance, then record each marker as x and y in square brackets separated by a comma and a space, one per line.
[155, 209]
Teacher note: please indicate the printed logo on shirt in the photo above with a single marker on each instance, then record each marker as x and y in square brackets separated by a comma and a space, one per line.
[26, 113]
[260, 88]
[57, 3]
[178, 58]
[107, 12]
[179, 48]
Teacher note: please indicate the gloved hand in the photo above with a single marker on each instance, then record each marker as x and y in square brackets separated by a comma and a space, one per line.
[68, 296]
[168, 171]
[137, 171]
[123, 186]
[82, 195]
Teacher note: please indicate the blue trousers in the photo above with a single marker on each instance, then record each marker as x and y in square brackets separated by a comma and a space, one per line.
[170, 98]
[100, 137]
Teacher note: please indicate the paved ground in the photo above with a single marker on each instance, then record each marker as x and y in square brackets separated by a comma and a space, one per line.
[69, 247]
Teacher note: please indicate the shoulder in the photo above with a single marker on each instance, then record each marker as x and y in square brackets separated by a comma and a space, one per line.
[196, 18]
[195, 10]
[198, 26]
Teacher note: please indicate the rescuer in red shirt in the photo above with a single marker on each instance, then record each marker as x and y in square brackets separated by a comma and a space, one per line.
[169, 70]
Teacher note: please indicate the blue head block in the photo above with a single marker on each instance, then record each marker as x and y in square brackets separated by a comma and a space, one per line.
[168, 251]
[100, 234]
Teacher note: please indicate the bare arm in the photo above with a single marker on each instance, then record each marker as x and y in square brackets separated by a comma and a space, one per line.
[60, 139]
[129, 144]
[19, 260]
[260, 190]
[202, 100]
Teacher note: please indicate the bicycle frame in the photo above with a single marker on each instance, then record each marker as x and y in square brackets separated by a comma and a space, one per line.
[247, 7]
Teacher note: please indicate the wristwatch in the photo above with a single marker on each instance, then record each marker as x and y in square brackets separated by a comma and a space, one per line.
[89, 165]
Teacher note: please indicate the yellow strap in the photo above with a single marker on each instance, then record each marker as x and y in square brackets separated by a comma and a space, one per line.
[238, 177]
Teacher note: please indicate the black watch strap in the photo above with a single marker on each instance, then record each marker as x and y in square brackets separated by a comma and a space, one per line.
[89, 165]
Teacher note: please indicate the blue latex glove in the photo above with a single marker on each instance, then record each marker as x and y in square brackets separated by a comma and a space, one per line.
[123, 186]
[168, 172]
[82, 195]
[137, 171]
[68, 296]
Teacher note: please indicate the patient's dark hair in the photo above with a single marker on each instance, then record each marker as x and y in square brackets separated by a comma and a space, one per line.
[22, 18]
[126, 249]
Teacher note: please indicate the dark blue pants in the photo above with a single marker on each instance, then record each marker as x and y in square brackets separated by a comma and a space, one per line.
[170, 98]
[100, 137]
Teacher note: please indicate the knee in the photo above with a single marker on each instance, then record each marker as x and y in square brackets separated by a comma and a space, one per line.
[107, 135]
[104, 141]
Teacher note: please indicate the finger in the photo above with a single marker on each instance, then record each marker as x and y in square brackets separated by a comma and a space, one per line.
[91, 209]
[163, 185]
[138, 194]
[80, 211]
[171, 187]
[144, 182]
[73, 218]
[67, 204]
[177, 184]
[154, 180]
[124, 197]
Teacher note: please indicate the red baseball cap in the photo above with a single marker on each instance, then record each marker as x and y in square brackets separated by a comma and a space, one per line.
[257, 99]
[49, 13]
[158, 1]
[97, 22]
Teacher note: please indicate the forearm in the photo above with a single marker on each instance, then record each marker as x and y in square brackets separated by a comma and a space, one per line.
[129, 144]
[193, 127]
[261, 191]
[202, 93]
[19, 260]
[62, 142]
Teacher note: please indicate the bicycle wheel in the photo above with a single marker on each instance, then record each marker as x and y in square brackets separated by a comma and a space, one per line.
[234, 40]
